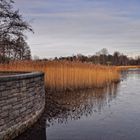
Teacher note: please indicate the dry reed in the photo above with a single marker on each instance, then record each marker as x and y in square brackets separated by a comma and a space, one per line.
[120, 68]
[63, 75]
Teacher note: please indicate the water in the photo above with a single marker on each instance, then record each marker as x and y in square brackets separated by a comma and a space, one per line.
[112, 113]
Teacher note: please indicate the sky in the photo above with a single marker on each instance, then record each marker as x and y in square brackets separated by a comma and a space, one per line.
[70, 27]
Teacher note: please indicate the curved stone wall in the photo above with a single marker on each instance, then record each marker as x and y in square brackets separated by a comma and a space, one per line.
[22, 100]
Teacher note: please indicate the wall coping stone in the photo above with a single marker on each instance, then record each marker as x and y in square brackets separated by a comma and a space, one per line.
[20, 76]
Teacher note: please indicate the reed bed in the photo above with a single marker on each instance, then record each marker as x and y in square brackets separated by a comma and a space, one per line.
[64, 75]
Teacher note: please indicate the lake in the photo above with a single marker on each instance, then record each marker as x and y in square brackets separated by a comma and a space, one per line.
[112, 113]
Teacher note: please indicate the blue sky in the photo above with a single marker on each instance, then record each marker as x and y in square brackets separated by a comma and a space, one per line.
[67, 27]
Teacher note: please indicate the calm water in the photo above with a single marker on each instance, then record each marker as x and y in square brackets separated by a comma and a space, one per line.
[112, 113]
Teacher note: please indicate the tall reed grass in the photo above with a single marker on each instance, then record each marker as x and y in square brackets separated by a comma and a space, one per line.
[63, 75]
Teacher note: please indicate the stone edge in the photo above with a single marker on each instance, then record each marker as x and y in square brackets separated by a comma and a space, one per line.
[21, 76]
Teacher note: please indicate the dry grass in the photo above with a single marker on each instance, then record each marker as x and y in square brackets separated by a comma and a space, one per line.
[68, 75]
[126, 67]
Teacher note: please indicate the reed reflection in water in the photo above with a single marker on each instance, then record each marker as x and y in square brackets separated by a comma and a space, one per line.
[62, 107]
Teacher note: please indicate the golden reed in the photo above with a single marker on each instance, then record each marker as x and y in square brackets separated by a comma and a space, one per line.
[64, 75]
[120, 68]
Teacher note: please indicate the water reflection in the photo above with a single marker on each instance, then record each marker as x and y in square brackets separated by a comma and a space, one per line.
[131, 73]
[62, 107]
[67, 106]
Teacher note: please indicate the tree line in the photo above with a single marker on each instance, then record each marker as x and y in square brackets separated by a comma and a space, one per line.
[13, 44]
[104, 58]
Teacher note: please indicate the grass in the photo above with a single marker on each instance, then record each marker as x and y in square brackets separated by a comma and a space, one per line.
[127, 67]
[63, 75]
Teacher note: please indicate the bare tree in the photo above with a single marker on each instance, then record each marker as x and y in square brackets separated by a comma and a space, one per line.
[12, 28]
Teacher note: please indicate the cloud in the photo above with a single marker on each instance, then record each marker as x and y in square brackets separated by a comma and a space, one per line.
[65, 27]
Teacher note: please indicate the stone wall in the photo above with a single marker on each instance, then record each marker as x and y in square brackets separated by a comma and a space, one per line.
[22, 100]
